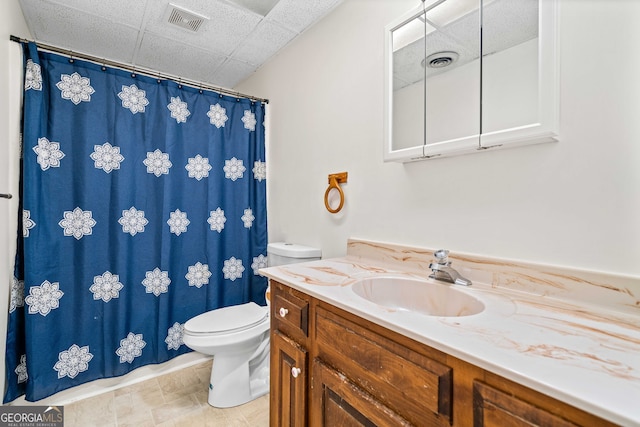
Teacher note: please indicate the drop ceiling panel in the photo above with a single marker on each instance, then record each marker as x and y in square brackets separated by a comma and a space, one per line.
[122, 11]
[261, 7]
[173, 57]
[233, 72]
[298, 15]
[80, 32]
[263, 43]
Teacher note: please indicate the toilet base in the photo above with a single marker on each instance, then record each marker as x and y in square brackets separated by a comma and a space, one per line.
[234, 381]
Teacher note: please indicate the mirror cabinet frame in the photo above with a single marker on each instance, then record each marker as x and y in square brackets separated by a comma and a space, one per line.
[544, 130]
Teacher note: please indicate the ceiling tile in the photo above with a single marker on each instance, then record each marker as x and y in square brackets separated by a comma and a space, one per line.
[172, 57]
[298, 15]
[77, 31]
[261, 7]
[263, 43]
[126, 12]
[233, 72]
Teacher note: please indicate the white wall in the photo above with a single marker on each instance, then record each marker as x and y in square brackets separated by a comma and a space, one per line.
[11, 22]
[573, 203]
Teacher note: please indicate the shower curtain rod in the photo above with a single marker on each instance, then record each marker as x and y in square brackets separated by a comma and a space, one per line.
[137, 70]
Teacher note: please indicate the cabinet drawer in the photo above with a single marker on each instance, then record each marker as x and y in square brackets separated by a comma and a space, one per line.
[416, 387]
[290, 311]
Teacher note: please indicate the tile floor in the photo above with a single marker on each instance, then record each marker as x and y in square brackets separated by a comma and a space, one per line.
[178, 399]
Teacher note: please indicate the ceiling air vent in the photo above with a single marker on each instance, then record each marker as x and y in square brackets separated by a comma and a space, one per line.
[184, 18]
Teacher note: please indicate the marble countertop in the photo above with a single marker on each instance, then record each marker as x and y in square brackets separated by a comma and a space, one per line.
[580, 353]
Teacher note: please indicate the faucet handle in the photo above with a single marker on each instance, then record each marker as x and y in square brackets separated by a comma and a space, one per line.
[442, 256]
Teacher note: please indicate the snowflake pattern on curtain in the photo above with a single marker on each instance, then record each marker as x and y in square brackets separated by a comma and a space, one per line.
[21, 369]
[247, 218]
[233, 169]
[133, 221]
[232, 268]
[217, 115]
[130, 347]
[49, 153]
[77, 223]
[198, 275]
[16, 298]
[157, 163]
[198, 167]
[73, 361]
[27, 223]
[75, 88]
[106, 157]
[216, 220]
[44, 298]
[259, 170]
[178, 222]
[32, 77]
[258, 262]
[133, 99]
[179, 110]
[106, 286]
[137, 215]
[175, 336]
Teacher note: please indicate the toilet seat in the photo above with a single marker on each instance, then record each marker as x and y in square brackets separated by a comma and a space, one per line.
[227, 320]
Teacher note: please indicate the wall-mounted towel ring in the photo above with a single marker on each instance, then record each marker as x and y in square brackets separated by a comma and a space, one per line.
[335, 180]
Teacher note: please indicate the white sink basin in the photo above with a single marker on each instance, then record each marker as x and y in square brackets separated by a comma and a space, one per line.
[420, 296]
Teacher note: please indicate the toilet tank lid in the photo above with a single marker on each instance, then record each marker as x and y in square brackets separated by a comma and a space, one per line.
[292, 250]
[227, 319]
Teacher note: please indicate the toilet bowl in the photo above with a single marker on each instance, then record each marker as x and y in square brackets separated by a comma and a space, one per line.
[238, 338]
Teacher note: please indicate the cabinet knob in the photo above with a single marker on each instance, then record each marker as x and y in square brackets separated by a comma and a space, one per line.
[295, 372]
[283, 312]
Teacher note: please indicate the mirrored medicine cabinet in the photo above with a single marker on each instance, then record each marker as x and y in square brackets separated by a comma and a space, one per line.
[463, 76]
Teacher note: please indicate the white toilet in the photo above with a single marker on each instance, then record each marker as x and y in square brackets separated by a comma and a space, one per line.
[238, 338]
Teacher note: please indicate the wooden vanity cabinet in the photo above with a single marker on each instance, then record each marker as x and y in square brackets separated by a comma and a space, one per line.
[353, 372]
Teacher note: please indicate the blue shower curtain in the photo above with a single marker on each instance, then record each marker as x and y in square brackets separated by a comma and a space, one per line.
[143, 205]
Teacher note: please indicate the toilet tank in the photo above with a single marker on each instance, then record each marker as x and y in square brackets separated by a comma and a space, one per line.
[281, 253]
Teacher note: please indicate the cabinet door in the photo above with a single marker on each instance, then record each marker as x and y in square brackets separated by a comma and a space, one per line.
[337, 402]
[288, 382]
[495, 408]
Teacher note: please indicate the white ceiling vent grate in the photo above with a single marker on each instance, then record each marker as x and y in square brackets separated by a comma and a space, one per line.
[184, 18]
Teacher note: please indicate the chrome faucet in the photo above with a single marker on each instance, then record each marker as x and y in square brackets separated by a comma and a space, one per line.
[442, 269]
